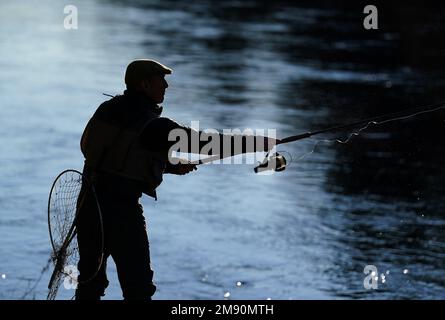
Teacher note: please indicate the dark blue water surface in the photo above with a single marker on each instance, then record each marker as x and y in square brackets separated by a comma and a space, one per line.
[305, 233]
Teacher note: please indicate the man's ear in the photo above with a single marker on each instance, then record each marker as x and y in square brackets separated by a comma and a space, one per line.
[146, 85]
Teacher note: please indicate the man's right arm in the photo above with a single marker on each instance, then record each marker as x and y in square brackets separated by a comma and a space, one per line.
[163, 133]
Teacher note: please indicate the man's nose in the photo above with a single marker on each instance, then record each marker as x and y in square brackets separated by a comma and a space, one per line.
[165, 84]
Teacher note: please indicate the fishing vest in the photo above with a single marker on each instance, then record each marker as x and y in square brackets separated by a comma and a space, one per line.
[115, 148]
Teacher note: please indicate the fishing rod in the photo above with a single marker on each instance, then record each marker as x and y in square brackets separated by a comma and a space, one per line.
[390, 116]
[277, 162]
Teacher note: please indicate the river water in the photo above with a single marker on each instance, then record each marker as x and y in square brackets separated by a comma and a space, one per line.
[224, 232]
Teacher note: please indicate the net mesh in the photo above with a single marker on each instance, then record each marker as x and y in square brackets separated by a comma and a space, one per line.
[62, 210]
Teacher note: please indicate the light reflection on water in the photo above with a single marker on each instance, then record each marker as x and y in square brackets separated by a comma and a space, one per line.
[305, 233]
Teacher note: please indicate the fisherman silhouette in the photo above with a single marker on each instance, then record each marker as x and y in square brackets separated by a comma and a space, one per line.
[126, 149]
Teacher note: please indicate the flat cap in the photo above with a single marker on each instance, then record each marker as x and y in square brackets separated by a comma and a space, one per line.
[142, 69]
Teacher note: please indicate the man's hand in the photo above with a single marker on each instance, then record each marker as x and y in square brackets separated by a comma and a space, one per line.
[182, 168]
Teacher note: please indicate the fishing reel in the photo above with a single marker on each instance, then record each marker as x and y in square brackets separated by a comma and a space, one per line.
[275, 162]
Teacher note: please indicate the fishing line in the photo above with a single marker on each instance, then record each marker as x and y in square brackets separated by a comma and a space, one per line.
[386, 121]
[372, 122]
